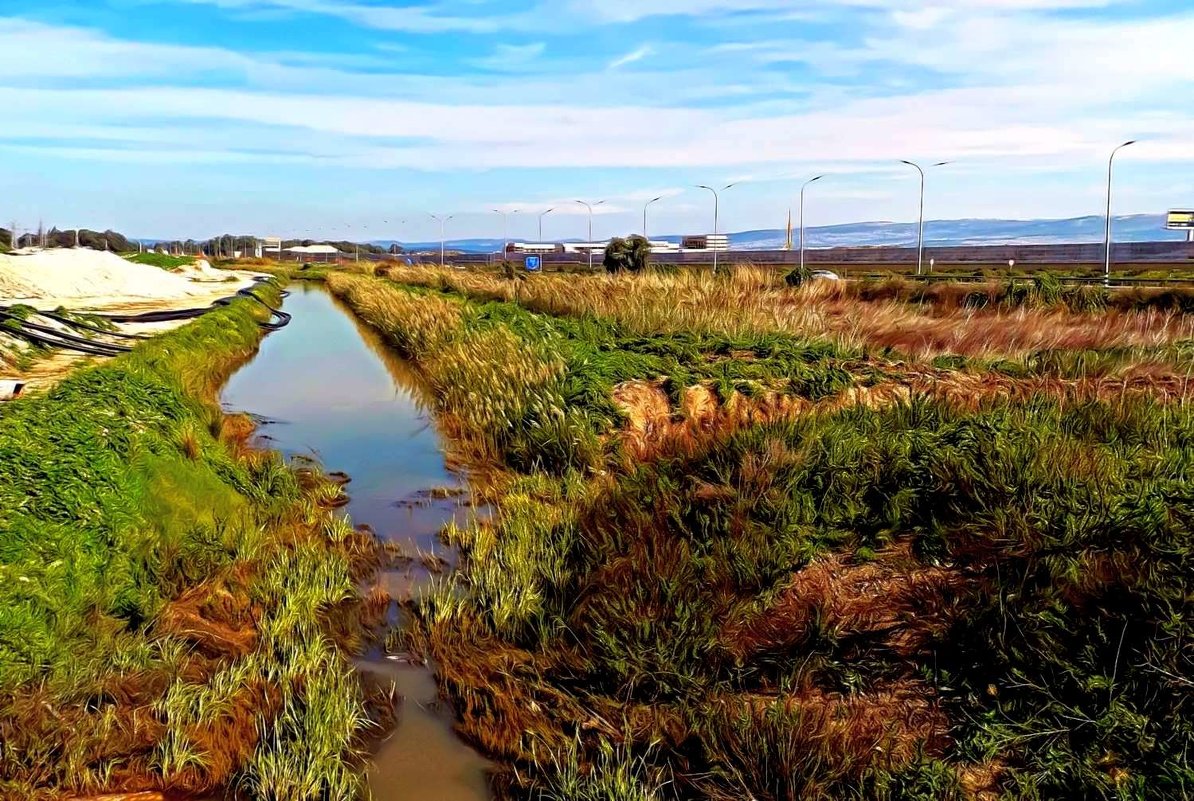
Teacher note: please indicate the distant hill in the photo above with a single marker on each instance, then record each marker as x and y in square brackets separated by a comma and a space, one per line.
[1132, 228]
[459, 245]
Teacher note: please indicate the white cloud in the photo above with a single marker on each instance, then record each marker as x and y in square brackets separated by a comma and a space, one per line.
[412, 19]
[1053, 99]
[35, 50]
[489, 16]
[965, 124]
[636, 55]
[623, 11]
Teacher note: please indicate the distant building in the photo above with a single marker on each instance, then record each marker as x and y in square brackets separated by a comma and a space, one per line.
[536, 248]
[708, 242]
[552, 248]
[327, 252]
[585, 247]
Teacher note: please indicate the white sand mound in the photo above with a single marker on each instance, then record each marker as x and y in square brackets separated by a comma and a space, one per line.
[201, 270]
[82, 274]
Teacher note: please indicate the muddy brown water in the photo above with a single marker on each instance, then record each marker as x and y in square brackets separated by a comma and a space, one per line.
[328, 388]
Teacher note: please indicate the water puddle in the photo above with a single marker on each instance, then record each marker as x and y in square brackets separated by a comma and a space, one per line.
[329, 388]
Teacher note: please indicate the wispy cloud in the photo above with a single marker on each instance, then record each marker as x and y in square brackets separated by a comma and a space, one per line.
[636, 55]
[426, 19]
[563, 111]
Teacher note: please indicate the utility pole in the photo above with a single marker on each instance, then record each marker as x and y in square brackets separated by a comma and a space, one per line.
[590, 206]
[920, 240]
[806, 186]
[1110, 166]
[716, 215]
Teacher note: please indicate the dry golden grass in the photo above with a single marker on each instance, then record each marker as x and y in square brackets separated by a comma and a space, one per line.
[655, 428]
[757, 301]
[895, 601]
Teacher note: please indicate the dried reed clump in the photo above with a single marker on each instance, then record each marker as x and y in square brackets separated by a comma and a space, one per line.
[817, 745]
[893, 601]
[969, 321]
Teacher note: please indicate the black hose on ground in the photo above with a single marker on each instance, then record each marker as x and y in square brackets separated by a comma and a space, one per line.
[51, 338]
[282, 317]
[88, 327]
[178, 315]
[47, 337]
[61, 335]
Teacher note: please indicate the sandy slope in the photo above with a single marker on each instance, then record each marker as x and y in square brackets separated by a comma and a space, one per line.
[82, 278]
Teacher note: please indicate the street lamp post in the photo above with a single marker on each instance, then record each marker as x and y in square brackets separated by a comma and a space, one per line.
[505, 229]
[806, 186]
[443, 239]
[400, 224]
[590, 206]
[1110, 165]
[920, 239]
[716, 215]
[541, 216]
[647, 206]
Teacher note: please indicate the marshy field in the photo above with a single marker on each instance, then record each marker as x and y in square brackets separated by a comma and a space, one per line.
[744, 540]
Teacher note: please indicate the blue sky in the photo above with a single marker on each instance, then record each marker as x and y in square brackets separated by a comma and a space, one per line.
[342, 118]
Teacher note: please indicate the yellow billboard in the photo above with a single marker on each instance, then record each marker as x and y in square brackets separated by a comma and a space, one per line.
[1180, 221]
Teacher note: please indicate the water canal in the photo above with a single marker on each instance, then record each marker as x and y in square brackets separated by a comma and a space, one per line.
[328, 388]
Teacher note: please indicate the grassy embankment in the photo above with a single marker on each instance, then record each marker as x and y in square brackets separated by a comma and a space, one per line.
[162, 588]
[764, 576]
[162, 260]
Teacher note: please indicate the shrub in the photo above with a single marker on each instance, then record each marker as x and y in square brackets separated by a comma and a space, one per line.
[797, 277]
[628, 255]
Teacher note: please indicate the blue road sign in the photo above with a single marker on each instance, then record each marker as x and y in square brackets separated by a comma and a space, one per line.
[534, 264]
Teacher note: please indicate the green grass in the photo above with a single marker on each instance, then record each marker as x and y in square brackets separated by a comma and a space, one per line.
[161, 260]
[924, 599]
[548, 380]
[118, 497]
